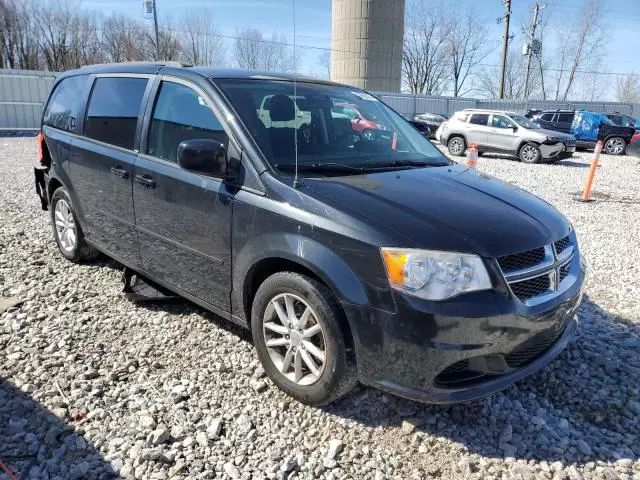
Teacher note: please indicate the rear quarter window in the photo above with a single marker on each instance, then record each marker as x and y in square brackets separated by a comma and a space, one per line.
[65, 103]
[113, 110]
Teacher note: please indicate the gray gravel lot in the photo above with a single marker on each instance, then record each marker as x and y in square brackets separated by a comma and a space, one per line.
[92, 386]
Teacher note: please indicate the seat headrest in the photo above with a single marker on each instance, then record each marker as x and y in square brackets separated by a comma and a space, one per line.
[281, 108]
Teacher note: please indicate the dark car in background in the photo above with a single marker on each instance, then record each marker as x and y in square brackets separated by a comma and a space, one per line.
[624, 120]
[430, 120]
[588, 128]
[349, 258]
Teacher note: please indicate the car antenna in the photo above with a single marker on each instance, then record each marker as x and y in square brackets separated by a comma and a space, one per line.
[295, 99]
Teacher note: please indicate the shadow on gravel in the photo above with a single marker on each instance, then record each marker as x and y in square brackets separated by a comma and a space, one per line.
[583, 407]
[570, 163]
[35, 443]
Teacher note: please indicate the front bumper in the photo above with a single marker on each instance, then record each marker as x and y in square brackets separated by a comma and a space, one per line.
[410, 352]
[551, 150]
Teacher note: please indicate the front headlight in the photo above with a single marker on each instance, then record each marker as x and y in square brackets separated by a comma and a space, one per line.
[553, 139]
[434, 275]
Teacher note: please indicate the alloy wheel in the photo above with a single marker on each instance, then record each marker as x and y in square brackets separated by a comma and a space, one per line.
[529, 153]
[456, 146]
[65, 226]
[615, 146]
[294, 339]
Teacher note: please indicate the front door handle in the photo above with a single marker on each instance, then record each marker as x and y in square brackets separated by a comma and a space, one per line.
[119, 172]
[146, 181]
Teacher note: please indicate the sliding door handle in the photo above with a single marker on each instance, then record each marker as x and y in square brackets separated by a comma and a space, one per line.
[119, 172]
[146, 181]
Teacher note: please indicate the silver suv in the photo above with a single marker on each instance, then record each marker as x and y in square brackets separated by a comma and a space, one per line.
[505, 132]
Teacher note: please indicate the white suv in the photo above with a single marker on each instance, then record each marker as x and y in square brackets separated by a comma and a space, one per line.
[505, 132]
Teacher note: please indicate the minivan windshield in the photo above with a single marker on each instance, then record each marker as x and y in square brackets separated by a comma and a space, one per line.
[336, 129]
[524, 121]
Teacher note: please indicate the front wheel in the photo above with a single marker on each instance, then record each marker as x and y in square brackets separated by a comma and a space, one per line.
[300, 339]
[456, 146]
[67, 231]
[615, 146]
[530, 153]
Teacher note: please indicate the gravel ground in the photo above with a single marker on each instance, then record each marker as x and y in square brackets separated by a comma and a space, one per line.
[93, 386]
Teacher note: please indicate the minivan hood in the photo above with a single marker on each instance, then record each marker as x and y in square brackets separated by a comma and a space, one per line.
[447, 208]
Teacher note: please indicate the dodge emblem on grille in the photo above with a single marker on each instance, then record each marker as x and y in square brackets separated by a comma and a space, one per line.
[553, 280]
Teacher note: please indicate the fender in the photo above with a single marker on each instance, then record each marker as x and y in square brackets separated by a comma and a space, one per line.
[306, 252]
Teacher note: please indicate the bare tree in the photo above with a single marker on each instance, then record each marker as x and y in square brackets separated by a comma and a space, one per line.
[514, 77]
[324, 63]
[580, 47]
[252, 50]
[200, 39]
[466, 48]
[628, 88]
[123, 39]
[424, 52]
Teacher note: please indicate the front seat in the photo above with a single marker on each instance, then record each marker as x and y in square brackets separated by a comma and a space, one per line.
[282, 109]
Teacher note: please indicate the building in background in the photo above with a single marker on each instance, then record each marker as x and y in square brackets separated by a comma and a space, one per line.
[366, 43]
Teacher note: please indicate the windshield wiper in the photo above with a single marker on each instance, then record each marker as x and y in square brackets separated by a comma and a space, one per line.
[408, 163]
[321, 167]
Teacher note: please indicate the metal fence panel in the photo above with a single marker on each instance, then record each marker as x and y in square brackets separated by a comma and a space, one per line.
[23, 93]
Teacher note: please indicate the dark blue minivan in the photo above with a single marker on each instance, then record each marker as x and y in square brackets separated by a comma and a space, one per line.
[350, 257]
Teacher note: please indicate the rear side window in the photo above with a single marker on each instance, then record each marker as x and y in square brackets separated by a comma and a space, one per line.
[565, 117]
[180, 114]
[113, 110]
[65, 103]
[547, 117]
[479, 119]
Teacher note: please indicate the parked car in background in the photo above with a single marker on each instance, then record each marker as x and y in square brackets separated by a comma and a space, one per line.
[533, 114]
[350, 259]
[423, 128]
[588, 128]
[634, 145]
[431, 120]
[624, 120]
[504, 132]
[364, 124]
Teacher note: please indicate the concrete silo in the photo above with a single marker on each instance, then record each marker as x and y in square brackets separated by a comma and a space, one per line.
[366, 43]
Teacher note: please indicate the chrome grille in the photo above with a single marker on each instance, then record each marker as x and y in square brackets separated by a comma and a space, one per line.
[535, 276]
[532, 287]
[521, 260]
[561, 245]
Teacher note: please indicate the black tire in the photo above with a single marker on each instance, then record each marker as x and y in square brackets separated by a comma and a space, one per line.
[339, 374]
[456, 145]
[82, 251]
[615, 146]
[530, 153]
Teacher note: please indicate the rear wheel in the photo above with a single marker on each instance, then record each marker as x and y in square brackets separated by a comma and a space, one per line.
[615, 146]
[300, 339]
[530, 153]
[456, 146]
[67, 231]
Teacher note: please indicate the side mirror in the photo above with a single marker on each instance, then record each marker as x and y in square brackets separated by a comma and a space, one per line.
[204, 156]
[514, 128]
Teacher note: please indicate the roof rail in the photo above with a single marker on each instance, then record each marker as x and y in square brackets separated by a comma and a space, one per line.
[160, 63]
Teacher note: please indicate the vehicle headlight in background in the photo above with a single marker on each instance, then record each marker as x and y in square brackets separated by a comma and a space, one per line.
[434, 275]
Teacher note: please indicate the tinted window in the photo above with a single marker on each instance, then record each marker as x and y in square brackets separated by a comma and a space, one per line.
[65, 103]
[479, 119]
[624, 121]
[179, 114]
[113, 110]
[547, 117]
[565, 117]
[500, 121]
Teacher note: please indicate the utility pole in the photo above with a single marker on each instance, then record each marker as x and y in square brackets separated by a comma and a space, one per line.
[505, 45]
[533, 26]
[155, 26]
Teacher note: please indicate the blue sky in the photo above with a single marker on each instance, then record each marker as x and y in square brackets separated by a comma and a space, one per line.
[313, 19]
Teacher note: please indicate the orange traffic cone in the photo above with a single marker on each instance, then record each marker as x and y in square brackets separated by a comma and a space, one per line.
[472, 155]
[586, 192]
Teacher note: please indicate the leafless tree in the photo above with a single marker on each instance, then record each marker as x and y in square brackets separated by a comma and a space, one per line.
[514, 78]
[324, 63]
[425, 59]
[466, 47]
[252, 50]
[580, 46]
[628, 88]
[200, 39]
[123, 39]
[168, 41]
